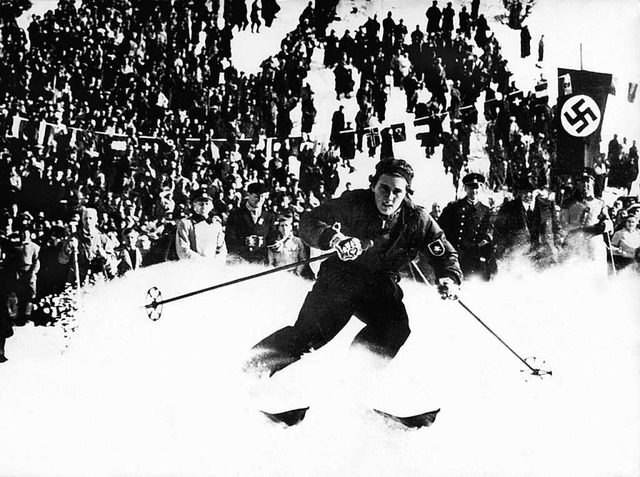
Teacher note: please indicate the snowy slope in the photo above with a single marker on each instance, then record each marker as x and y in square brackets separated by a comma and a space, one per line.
[127, 396]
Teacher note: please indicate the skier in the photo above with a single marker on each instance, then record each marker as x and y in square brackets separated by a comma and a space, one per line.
[361, 280]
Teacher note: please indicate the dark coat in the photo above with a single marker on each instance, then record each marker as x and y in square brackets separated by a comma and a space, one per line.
[537, 233]
[240, 226]
[467, 225]
[392, 249]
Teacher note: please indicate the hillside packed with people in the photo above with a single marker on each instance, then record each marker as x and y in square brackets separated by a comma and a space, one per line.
[128, 138]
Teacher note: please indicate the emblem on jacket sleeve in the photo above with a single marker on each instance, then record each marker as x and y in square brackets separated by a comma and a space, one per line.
[436, 248]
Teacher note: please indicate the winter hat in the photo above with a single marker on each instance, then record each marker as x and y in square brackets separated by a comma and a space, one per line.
[393, 166]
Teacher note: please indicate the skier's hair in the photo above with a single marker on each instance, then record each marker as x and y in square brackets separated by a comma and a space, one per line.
[396, 167]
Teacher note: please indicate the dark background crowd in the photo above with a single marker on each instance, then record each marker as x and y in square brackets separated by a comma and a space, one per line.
[131, 107]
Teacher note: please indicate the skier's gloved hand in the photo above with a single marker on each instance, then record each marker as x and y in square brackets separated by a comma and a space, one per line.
[348, 248]
[448, 288]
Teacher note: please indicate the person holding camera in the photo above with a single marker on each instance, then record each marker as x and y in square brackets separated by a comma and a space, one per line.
[288, 248]
[251, 227]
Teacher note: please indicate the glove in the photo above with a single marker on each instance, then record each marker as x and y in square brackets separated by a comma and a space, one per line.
[348, 248]
[448, 288]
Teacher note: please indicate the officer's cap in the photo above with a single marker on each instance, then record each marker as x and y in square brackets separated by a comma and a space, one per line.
[473, 179]
[201, 195]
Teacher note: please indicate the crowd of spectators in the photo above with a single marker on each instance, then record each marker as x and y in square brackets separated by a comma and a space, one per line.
[142, 108]
[114, 114]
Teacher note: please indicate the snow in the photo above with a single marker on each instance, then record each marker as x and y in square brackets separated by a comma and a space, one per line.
[123, 395]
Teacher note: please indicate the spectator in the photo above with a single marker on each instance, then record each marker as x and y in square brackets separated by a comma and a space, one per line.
[528, 225]
[287, 248]
[625, 244]
[525, 42]
[585, 219]
[128, 254]
[467, 223]
[89, 253]
[201, 234]
[250, 227]
[6, 325]
[255, 17]
[22, 264]
[433, 18]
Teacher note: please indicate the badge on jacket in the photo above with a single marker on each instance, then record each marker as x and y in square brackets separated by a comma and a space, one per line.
[436, 248]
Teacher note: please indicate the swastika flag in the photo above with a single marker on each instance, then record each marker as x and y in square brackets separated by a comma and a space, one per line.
[579, 119]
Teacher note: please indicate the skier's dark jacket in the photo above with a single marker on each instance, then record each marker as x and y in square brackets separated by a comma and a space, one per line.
[394, 245]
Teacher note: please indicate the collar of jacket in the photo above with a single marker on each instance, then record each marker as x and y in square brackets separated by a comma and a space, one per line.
[197, 218]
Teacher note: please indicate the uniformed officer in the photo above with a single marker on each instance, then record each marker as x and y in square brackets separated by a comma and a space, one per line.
[468, 226]
[201, 235]
[586, 219]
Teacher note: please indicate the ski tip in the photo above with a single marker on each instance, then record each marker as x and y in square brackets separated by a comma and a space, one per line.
[416, 421]
[288, 418]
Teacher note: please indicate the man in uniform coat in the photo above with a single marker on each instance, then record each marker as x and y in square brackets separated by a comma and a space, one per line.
[468, 226]
[251, 227]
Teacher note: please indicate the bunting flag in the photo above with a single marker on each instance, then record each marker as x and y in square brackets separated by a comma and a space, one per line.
[579, 118]
[422, 127]
[427, 129]
[541, 92]
[77, 138]
[515, 98]
[373, 138]
[193, 143]
[631, 94]
[18, 127]
[113, 143]
[399, 132]
[564, 85]
[294, 144]
[46, 134]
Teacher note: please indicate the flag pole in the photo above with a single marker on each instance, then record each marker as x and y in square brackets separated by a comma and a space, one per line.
[580, 55]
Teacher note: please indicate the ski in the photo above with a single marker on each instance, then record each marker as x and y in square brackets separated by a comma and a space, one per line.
[288, 418]
[295, 416]
[412, 422]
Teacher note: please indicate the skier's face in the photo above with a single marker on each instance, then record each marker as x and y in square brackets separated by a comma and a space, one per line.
[389, 192]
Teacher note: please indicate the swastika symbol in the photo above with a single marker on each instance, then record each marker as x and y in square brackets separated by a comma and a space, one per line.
[580, 115]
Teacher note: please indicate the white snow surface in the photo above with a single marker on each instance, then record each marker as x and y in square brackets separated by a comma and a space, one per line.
[125, 396]
[131, 397]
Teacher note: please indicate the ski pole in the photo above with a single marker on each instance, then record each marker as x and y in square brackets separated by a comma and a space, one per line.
[155, 301]
[610, 248]
[535, 371]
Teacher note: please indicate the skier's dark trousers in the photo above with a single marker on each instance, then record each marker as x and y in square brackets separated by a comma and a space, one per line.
[375, 232]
